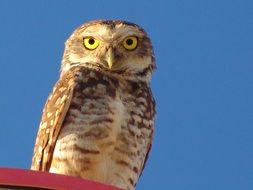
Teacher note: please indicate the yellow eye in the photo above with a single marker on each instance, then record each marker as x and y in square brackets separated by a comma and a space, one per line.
[130, 43]
[90, 43]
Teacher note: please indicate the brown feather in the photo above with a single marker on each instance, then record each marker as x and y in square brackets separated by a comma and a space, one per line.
[53, 116]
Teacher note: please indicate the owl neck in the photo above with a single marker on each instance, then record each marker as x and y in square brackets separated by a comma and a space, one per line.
[126, 75]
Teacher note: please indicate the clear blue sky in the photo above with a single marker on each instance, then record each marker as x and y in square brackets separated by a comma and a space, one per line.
[203, 84]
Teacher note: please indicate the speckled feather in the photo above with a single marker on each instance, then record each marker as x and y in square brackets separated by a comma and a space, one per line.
[51, 122]
[98, 123]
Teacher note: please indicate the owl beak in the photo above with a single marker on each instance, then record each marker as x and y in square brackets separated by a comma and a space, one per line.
[110, 59]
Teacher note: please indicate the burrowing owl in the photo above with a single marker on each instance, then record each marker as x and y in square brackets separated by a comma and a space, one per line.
[98, 122]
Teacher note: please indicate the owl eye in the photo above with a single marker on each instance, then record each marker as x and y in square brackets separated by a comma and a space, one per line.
[90, 43]
[130, 43]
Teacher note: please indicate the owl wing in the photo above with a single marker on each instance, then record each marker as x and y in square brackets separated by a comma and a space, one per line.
[152, 110]
[52, 119]
[147, 155]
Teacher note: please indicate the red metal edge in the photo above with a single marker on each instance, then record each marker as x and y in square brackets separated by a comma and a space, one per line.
[29, 178]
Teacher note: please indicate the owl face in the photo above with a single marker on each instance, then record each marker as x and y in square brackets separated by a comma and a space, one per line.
[115, 47]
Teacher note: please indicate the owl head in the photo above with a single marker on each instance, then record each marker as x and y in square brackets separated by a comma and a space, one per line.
[113, 47]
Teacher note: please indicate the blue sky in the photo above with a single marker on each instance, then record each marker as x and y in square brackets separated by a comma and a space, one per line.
[203, 84]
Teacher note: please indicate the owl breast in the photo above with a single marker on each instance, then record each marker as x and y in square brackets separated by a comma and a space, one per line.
[107, 131]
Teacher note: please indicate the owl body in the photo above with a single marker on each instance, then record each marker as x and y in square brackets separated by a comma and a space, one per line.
[98, 122]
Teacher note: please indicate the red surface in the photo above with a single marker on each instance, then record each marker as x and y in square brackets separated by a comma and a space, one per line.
[29, 178]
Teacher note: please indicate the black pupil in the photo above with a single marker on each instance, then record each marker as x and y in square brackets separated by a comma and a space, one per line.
[129, 42]
[91, 41]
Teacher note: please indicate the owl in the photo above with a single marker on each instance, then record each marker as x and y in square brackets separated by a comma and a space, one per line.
[98, 122]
